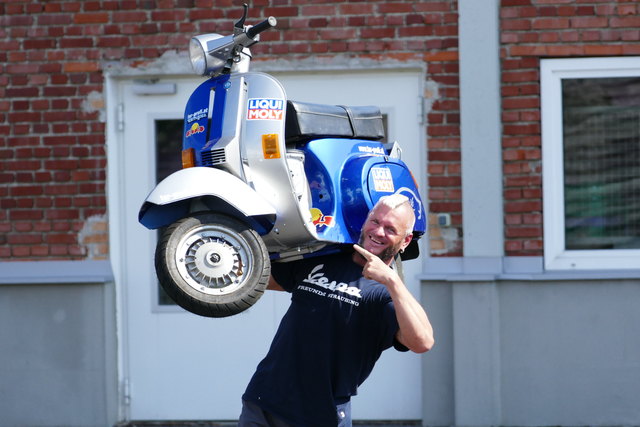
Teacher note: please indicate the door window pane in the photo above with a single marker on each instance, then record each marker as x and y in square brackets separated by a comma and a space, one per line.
[601, 147]
[168, 160]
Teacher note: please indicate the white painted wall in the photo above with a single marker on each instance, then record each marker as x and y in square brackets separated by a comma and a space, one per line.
[533, 353]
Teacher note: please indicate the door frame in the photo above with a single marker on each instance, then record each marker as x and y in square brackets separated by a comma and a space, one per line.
[415, 157]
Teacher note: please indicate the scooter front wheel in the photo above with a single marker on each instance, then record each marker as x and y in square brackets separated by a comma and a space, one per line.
[212, 265]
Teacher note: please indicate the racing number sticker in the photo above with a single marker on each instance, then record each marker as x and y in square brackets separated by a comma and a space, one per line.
[382, 180]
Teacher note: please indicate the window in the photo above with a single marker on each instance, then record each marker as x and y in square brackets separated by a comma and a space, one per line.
[168, 136]
[591, 163]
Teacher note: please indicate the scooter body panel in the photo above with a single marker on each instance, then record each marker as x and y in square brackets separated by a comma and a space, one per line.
[198, 112]
[347, 177]
[269, 169]
[227, 119]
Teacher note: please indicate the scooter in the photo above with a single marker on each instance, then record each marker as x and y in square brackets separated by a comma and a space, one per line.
[265, 179]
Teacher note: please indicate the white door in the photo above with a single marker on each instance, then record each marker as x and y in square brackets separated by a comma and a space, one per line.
[176, 365]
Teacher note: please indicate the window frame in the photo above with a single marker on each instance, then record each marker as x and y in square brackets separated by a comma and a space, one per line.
[552, 71]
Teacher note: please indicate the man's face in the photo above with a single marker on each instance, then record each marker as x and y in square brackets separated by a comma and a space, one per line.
[384, 233]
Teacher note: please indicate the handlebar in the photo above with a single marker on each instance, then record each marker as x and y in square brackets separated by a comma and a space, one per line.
[268, 23]
[212, 54]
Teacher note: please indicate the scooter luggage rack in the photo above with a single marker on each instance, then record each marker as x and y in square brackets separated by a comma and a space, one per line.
[305, 121]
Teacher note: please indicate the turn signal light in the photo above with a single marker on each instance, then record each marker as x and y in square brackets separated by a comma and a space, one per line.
[188, 158]
[270, 146]
[414, 180]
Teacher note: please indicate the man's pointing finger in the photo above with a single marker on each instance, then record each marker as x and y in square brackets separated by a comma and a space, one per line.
[362, 251]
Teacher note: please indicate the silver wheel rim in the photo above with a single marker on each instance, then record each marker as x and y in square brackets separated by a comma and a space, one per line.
[213, 260]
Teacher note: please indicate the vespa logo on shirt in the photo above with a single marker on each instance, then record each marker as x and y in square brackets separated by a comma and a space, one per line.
[265, 109]
[316, 277]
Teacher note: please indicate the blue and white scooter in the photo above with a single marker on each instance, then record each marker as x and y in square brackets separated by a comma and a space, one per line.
[264, 179]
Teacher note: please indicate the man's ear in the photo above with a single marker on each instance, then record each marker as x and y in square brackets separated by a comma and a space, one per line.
[406, 241]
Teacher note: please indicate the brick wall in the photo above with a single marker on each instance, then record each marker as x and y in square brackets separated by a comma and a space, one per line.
[531, 30]
[52, 131]
[52, 197]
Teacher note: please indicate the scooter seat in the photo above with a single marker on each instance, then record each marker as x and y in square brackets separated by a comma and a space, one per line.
[305, 121]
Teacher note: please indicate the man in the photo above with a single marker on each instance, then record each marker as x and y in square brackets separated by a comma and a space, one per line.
[346, 309]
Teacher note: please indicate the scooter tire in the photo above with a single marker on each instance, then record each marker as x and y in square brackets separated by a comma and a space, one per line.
[212, 265]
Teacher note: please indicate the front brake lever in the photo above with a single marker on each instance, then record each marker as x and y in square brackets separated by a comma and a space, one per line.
[239, 26]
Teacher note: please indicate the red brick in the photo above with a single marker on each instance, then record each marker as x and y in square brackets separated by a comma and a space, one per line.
[20, 251]
[22, 68]
[24, 116]
[61, 164]
[91, 18]
[445, 207]
[73, 42]
[603, 50]
[80, 67]
[62, 214]
[523, 206]
[24, 239]
[54, 19]
[59, 250]
[452, 181]
[589, 22]
[514, 231]
[533, 245]
[172, 15]
[129, 16]
[17, 215]
[39, 44]
[23, 190]
[377, 33]
[433, 6]
[341, 33]
[395, 8]
[61, 239]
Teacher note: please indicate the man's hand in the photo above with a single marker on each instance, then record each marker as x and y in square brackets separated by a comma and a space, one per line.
[374, 268]
[415, 330]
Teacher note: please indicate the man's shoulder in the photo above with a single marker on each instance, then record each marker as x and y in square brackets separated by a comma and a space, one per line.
[333, 258]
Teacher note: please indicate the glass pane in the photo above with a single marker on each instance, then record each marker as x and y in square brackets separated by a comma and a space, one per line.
[168, 160]
[601, 131]
[385, 126]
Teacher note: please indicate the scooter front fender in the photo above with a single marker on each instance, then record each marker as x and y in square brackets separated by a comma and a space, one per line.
[218, 190]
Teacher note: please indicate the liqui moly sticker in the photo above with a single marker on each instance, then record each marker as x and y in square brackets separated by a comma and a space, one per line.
[265, 109]
[382, 180]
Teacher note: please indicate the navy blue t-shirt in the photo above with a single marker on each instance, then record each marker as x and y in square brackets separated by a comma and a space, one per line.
[327, 343]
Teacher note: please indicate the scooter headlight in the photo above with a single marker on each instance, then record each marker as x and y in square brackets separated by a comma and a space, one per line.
[209, 53]
[197, 56]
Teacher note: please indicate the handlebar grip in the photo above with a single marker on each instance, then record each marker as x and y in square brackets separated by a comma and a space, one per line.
[270, 22]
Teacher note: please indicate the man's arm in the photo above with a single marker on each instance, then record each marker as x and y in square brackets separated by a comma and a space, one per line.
[273, 285]
[415, 331]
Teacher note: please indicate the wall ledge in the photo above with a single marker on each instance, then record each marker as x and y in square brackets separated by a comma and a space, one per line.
[55, 272]
[490, 269]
